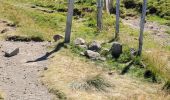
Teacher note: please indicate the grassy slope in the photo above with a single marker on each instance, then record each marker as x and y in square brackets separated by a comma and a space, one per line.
[34, 22]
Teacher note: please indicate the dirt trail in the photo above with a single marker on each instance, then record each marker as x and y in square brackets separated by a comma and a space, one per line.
[18, 79]
[158, 32]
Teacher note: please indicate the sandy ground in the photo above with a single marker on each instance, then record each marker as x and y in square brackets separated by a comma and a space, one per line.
[18, 79]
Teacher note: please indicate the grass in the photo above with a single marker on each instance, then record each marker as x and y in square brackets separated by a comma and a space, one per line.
[158, 19]
[35, 23]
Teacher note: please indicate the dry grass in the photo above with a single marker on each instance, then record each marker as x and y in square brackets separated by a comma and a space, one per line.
[70, 75]
[158, 62]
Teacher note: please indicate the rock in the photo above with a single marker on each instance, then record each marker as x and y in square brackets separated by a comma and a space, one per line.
[83, 46]
[12, 53]
[45, 68]
[79, 41]
[4, 30]
[95, 46]
[82, 53]
[102, 58]
[92, 55]
[116, 50]
[57, 37]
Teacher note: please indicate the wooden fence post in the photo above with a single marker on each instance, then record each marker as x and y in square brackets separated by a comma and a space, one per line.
[69, 21]
[99, 14]
[117, 19]
[108, 4]
[142, 24]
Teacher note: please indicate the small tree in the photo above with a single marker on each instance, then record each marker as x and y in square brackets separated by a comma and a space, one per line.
[142, 24]
[117, 19]
[69, 20]
[99, 14]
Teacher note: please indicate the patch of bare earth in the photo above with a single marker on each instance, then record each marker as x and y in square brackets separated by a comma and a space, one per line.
[158, 32]
[6, 27]
[78, 79]
[20, 80]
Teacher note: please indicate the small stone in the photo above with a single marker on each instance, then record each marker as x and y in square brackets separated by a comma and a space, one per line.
[82, 53]
[12, 53]
[92, 55]
[79, 41]
[45, 68]
[57, 37]
[95, 46]
[116, 50]
[4, 30]
[102, 58]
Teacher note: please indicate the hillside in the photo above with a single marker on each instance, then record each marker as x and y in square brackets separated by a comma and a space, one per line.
[48, 69]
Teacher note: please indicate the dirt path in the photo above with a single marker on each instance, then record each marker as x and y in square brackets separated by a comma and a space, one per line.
[158, 32]
[18, 79]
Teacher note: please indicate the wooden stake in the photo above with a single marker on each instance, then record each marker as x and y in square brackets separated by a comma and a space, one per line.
[69, 21]
[117, 19]
[99, 14]
[142, 24]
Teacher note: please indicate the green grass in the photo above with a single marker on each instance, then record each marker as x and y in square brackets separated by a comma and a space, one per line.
[158, 19]
[32, 22]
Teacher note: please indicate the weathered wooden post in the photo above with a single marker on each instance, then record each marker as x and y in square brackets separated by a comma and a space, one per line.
[108, 4]
[117, 19]
[69, 21]
[99, 14]
[142, 24]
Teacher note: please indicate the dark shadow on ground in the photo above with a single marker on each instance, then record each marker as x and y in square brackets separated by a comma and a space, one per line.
[126, 68]
[112, 40]
[45, 57]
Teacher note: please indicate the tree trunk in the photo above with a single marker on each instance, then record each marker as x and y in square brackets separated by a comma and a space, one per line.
[117, 19]
[69, 20]
[99, 14]
[142, 24]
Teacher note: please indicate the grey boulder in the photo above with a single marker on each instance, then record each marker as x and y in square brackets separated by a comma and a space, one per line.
[79, 41]
[11, 53]
[95, 46]
[92, 55]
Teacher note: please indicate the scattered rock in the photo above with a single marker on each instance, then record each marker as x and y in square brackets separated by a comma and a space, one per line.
[33, 6]
[45, 68]
[82, 53]
[11, 24]
[57, 37]
[92, 55]
[4, 30]
[12, 53]
[79, 41]
[102, 58]
[83, 46]
[95, 46]
[116, 49]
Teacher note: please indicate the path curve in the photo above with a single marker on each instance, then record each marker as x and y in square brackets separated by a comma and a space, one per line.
[18, 79]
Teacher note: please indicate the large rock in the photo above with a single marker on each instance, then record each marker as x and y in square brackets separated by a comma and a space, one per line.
[11, 53]
[95, 46]
[92, 55]
[79, 41]
[116, 50]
